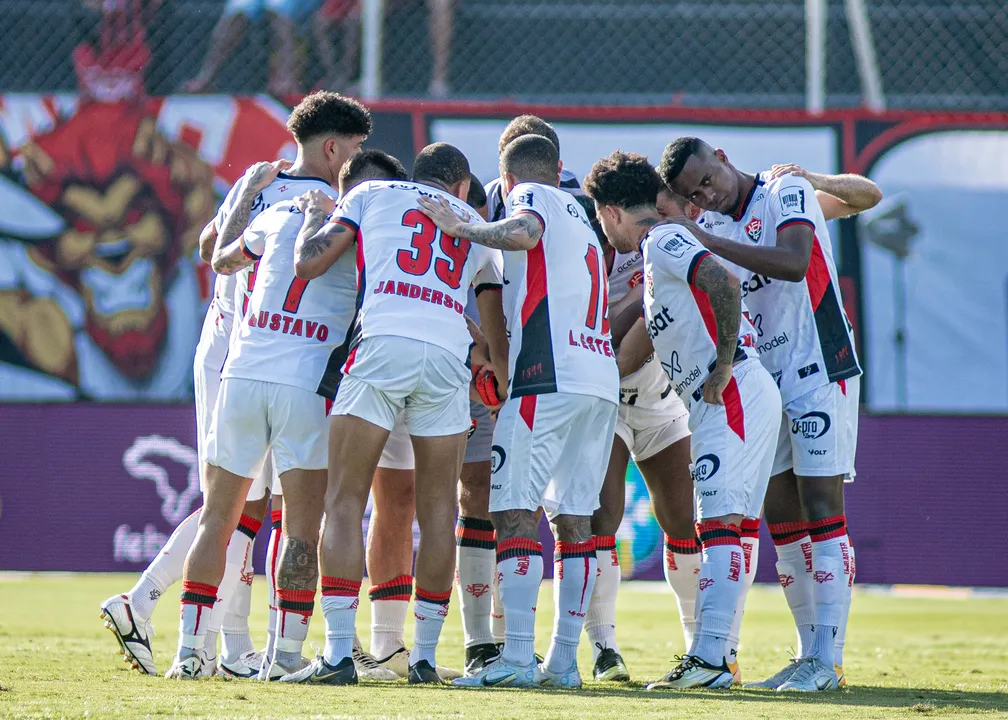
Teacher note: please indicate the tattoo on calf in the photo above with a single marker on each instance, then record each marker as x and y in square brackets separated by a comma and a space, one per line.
[515, 524]
[298, 566]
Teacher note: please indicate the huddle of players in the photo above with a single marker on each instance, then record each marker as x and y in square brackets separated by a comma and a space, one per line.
[536, 270]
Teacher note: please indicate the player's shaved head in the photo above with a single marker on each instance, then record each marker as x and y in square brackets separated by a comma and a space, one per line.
[625, 180]
[327, 113]
[670, 203]
[441, 164]
[527, 125]
[371, 164]
[531, 158]
[677, 152]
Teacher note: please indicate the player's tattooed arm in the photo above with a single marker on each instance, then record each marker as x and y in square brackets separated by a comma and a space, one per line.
[230, 259]
[839, 196]
[319, 244]
[520, 232]
[298, 567]
[237, 219]
[208, 241]
[635, 349]
[725, 298]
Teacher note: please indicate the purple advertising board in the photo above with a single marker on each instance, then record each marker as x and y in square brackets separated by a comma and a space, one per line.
[87, 487]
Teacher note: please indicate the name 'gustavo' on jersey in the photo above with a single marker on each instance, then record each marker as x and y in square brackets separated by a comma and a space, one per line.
[803, 336]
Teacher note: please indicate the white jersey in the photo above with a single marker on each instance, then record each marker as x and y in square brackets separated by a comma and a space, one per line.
[413, 280]
[680, 319]
[648, 387]
[803, 336]
[556, 302]
[294, 332]
[497, 208]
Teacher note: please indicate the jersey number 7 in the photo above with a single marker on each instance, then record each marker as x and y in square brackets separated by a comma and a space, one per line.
[417, 261]
[599, 288]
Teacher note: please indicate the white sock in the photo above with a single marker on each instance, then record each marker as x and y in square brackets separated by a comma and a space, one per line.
[719, 588]
[389, 605]
[496, 610]
[850, 570]
[198, 600]
[520, 566]
[475, 562]
[273, 549]
[210, 646]
[236, 641]
[429, 610]
[750, 554]
[600, 621]
[829, 539]
[164, 570]
[682, 566]
[339, 606]
[576, 567]
[794, 571]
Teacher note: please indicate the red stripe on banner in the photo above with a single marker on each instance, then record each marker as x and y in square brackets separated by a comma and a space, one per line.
[706, 312]
[733, 408]
[817, 277]
[535, 281]
[527, 409]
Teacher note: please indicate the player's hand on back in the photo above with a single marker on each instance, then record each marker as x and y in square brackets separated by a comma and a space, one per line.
[777, 171]
[443, 215]
[315, 201]
[263, 173]
[715, 384]
[691, 226]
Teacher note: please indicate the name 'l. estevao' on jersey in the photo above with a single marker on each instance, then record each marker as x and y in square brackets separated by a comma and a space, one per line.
[803, 336]
[679, 316]
[294, 331]
[556, 302]
[412, 279]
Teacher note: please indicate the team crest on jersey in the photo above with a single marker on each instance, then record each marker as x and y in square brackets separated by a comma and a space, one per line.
[792, 200]
[649, 284]
[675, 244]
[754, 229]
[636, 279]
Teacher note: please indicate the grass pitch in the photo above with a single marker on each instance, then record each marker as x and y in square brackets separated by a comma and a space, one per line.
[906, 657]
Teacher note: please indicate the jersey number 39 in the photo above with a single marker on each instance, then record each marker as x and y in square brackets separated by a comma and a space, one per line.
[417, 260]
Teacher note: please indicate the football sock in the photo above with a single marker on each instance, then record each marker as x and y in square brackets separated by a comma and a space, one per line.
[165, 569]
[198, 600]
[794, 571]
[829, 540]
[430, 610]
[273, 548]
[850, 570]
[576, 567]
[339, 606]
[389, 605]
[749, 530]
[718, 588]
[235, 639]
[294, 611]
[475, 560]
[600, 620]
[682, 565]
[520, 566]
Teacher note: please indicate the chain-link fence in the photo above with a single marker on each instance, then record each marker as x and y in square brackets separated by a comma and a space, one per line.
[753, 53]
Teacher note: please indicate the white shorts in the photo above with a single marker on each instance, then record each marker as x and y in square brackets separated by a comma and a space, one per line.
[551, 450]
[206, 383]
[818, 432]
[388, 375]
[648, 431]
[252, 418]
[398, 451]
[732, 445]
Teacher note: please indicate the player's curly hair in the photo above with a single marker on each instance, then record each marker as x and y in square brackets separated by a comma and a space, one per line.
[442, 164]
[477, 196]
[527, 125]
[676, 154]
[370, 164]
[328, 113]
[626, 180]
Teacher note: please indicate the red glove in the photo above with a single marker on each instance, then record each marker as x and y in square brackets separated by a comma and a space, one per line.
[486, 386]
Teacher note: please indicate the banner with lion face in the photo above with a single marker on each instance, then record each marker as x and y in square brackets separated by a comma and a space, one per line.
[102, 292]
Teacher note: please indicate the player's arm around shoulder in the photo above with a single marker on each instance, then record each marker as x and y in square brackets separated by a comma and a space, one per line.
[322, 239]
[839, 196]
[521, 231]
[231, 257]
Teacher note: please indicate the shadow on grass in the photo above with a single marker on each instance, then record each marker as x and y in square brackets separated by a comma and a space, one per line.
[923, 699]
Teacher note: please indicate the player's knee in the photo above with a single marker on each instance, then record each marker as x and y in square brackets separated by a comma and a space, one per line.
[606, 520]
[474, 492]
[821, 497]
[675, 520]
[572, 528]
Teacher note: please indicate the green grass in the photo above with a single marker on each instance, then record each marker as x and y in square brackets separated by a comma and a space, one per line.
[905, 657]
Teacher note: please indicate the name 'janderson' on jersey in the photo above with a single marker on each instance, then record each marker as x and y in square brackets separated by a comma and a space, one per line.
[556, 302]
[413, 280]
[294, 330]
[679, 316]
[803, 335]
